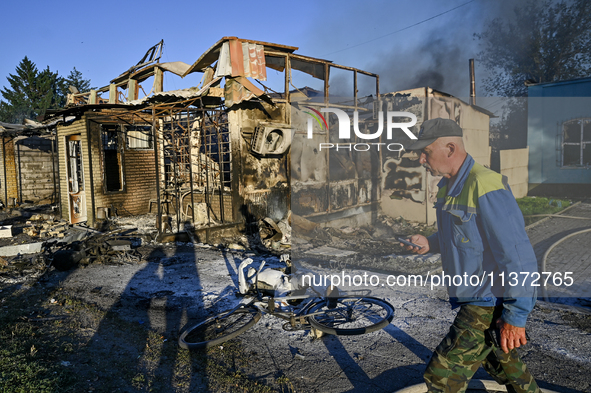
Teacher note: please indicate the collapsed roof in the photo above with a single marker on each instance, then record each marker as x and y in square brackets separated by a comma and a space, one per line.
[231, 62]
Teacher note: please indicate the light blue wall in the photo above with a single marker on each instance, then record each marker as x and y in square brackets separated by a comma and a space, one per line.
[550, 105]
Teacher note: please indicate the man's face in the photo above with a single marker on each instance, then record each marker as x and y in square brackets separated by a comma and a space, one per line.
[434, 159]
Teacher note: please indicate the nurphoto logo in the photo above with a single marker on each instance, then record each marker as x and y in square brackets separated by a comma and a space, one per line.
[344, 122]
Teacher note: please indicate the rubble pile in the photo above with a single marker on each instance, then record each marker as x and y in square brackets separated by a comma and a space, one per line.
[113, 248]
[275, 235]
[370, 247]
[45, 225]
[22, 268]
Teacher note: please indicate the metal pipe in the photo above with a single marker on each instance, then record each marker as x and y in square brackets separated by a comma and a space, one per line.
[287, 77]
[177, 168]
[53, 167]
[207, 156]
[190, 150]
[220, 168]
[20, 172]
[327, 102]
[355, 87]
[472, 83]
[156, 159]
[378, 86]
[91, 174]
[5, 180]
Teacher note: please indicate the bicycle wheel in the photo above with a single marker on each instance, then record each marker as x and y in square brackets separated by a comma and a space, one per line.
[219, 328]
[351, 315]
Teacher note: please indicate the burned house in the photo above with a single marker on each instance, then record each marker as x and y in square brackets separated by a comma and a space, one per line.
[241, 147]
[214, 156]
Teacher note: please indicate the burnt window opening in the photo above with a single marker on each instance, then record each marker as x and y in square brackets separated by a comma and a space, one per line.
[112, 158]
[139, 137]
[576, 143]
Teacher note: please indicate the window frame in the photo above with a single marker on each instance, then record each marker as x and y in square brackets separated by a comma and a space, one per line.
[146, 130]
[583, 144]
[120, 149]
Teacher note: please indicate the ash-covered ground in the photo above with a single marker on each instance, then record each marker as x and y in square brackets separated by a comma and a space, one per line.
[173, 284]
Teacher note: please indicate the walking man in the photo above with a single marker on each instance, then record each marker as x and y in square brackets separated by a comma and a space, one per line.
[480, 233]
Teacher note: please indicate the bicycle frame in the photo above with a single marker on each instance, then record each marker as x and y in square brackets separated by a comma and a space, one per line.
[338, 314]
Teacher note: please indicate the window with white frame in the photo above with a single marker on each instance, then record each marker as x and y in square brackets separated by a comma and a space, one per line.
[139, 137]
[576, 143]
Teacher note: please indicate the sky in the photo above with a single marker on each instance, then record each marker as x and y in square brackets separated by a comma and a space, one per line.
[408, 43]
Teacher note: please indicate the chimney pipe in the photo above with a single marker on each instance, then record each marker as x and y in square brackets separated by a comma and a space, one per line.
[472, 83]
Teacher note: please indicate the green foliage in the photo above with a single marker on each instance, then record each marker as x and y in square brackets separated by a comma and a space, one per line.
[32, 92]
[530, 205]
[544, 41]
[75, 79]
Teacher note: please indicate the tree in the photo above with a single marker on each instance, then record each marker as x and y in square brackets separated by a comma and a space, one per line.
[545, 42]
[75, 79]
[30, 93]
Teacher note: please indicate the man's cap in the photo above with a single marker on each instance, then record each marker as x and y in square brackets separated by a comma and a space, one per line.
[433, 129]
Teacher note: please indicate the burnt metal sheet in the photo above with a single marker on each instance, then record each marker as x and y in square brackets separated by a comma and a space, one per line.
[235, 93]
[254, 61]
[30, 128]
[182, 93]
[240, 89]
[311, 68]
[241, 59]
[236, 58]
[212, 54]
[276, 63]
[224, 66]
[176, 67]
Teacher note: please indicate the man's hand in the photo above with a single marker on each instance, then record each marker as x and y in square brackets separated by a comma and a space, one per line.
[419, 240]
[511, 336]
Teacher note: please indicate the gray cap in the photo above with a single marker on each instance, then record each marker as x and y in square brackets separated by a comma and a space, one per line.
[433, 129]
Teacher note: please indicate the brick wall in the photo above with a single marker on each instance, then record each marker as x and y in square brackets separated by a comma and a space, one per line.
[139, 176]
[35, 169]
[214, 203]
[10, 183]
[139, 173]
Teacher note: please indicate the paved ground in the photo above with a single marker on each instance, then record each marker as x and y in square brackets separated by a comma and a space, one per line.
[572, 255]
[178, 282]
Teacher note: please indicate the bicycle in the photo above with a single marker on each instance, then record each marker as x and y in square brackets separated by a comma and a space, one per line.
[335, 314]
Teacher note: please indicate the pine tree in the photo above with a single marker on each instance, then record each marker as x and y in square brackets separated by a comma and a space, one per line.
[31, 93]
[75, 79]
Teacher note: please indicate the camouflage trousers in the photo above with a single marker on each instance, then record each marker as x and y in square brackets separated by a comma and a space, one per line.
[469, 344]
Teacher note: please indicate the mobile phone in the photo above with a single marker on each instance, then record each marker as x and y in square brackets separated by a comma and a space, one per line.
[405, 241]
[495, 336]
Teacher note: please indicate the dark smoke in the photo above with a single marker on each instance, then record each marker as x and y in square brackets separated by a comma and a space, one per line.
[440, 58]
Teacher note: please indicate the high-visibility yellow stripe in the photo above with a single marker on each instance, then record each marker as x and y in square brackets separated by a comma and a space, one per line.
[480, 182]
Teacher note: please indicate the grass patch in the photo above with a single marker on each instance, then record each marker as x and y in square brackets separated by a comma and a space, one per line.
[91, 349]
[539, 205]
[29, 357]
